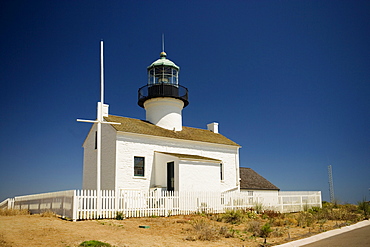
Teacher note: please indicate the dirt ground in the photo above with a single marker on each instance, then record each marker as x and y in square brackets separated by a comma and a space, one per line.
[34, 230]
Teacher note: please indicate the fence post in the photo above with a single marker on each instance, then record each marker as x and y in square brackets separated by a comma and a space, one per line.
[74, 206]
[116, 203]
[166, 199]
[10, 203]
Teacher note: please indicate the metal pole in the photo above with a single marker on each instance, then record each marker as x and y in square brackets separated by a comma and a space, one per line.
[331, 185]
[99, 134]
[102, 72]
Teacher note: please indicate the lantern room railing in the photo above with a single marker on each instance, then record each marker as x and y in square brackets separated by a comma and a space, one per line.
[162, 90]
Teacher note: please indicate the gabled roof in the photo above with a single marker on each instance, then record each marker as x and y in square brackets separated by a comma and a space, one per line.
[191, 157]
[137, 126]
[250, 179]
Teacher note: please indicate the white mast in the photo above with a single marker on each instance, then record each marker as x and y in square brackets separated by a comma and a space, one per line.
[99, 122]
[102, 72]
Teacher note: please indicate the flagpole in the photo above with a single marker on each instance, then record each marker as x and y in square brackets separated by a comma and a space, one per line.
[102, 71]
[98, 132]
[99, 121]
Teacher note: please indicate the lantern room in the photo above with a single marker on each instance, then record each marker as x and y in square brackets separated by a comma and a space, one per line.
[163, 71]
[163, 81]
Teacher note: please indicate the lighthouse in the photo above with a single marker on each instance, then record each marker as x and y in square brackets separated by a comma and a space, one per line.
[163, 98]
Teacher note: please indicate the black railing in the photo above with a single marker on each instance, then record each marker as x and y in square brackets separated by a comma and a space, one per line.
[163, 90]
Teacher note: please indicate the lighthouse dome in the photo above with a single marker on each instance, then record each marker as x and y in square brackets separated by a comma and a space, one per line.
[163, 61]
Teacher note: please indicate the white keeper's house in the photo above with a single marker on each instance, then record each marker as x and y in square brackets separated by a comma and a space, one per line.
[159, 153]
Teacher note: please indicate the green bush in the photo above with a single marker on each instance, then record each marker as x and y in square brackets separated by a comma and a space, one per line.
[364, 208]
[250, 214]
[258, 207]
[94, 243]
[120, 216]
[265, 231]
[233, 217]
[314, 210]
[305, 219]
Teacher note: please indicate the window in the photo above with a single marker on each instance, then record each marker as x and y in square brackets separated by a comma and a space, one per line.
[221, 173]
[139, 164]
[96, 139]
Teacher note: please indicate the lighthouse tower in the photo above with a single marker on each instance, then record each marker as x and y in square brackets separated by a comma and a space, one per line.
[163, 98]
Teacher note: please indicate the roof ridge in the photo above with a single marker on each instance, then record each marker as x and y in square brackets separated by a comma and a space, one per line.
[187, 133]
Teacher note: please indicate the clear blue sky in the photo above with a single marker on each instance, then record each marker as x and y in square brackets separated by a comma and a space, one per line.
[287, 80]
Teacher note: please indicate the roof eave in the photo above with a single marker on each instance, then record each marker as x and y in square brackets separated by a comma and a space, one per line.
[179, 139]
[259, 189]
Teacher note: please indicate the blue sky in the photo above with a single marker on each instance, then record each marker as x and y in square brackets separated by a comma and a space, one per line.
[287, 80]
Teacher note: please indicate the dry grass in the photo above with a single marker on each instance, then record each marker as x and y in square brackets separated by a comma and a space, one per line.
[48, 213]
[3, 243]
[233, 217]
[13, 212]
[229, 229]
[205, 230]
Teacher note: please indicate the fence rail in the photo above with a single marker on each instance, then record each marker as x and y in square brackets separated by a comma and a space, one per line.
[82, 204]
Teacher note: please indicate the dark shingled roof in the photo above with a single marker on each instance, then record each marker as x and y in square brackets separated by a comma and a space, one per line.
[132, 125]
[250, 179]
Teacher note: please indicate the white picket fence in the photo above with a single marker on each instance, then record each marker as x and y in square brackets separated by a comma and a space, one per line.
[83, 204]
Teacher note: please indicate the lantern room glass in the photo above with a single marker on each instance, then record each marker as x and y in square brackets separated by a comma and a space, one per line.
[163, 75]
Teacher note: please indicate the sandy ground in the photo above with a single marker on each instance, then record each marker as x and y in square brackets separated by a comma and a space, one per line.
[34, 230]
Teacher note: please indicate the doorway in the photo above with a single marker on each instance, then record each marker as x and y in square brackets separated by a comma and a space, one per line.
[170, 176]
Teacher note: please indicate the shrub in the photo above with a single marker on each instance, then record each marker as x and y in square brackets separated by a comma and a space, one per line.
[254, 227]
[351, 208]
[364, 208]
[94, 243]
[120, 216]
[265, 231]
[204, 230]
[250, 214]
[224, 231]
[315, 210]
[278, 232]
[305, 219]
[233, 216]
[277, 222]
[258, 207]
[291, 221]
[338, 214]
[271, 213]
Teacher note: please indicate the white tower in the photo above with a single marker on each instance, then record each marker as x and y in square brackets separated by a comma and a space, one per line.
[163, 98]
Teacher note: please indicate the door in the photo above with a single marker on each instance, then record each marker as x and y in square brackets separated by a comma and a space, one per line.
[170, 176]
